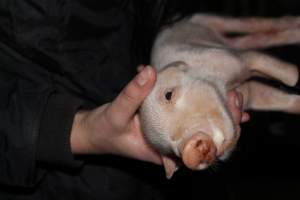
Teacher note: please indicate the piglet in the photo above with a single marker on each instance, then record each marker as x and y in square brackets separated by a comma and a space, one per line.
[185, 116]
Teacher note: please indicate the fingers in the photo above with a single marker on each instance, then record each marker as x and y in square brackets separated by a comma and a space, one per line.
[245, 117]
[235, 105]
[140, 68]
[131, 97]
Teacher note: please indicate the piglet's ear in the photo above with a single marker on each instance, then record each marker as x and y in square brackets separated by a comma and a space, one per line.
[170, 165]
[182, 66]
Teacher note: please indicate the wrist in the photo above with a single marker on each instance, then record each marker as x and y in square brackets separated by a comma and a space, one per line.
[78, 137]
[88, 135]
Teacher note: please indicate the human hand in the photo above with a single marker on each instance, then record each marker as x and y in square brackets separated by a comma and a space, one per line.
[114, 128]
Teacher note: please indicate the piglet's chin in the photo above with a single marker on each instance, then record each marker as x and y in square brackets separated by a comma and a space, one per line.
[198, 152]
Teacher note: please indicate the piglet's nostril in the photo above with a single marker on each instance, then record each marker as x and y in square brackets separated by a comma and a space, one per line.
[199, 143]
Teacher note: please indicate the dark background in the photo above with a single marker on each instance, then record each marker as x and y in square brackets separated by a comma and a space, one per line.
[265, 164]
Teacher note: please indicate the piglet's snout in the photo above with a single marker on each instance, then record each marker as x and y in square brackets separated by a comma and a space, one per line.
[198, 152]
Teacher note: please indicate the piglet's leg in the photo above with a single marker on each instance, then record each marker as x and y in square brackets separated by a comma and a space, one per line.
[268, 66]
[248, 24]
[258, 96]
[258, 32]
[265, 39]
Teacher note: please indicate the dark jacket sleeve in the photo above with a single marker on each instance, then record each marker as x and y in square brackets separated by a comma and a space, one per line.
[35, 122]
[51, 53]
[56, 123]
[21, 107]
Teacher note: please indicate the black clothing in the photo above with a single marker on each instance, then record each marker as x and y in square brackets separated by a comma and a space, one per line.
[57, 56]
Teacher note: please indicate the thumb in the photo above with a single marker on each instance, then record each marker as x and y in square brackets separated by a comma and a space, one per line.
[123, 108]
[234, 106]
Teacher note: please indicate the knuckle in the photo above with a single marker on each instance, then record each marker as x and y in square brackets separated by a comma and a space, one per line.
[112, 120]
[131, 93]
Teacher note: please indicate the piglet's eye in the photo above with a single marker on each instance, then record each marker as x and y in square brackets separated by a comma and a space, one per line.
[168, 95]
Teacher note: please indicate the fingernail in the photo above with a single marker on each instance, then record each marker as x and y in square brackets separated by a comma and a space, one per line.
[140, 67]
[143, 76]
[245, 117]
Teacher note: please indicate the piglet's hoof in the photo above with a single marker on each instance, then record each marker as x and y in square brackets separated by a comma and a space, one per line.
[198, 151]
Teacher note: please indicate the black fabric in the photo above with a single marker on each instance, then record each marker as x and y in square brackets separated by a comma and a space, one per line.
[57, 56]
[53, 146]
[297, 86]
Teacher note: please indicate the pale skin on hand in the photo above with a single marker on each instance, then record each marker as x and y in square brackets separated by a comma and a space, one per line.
[114, 128]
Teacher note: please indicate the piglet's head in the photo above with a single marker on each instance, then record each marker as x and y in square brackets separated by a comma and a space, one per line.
[185, 116]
